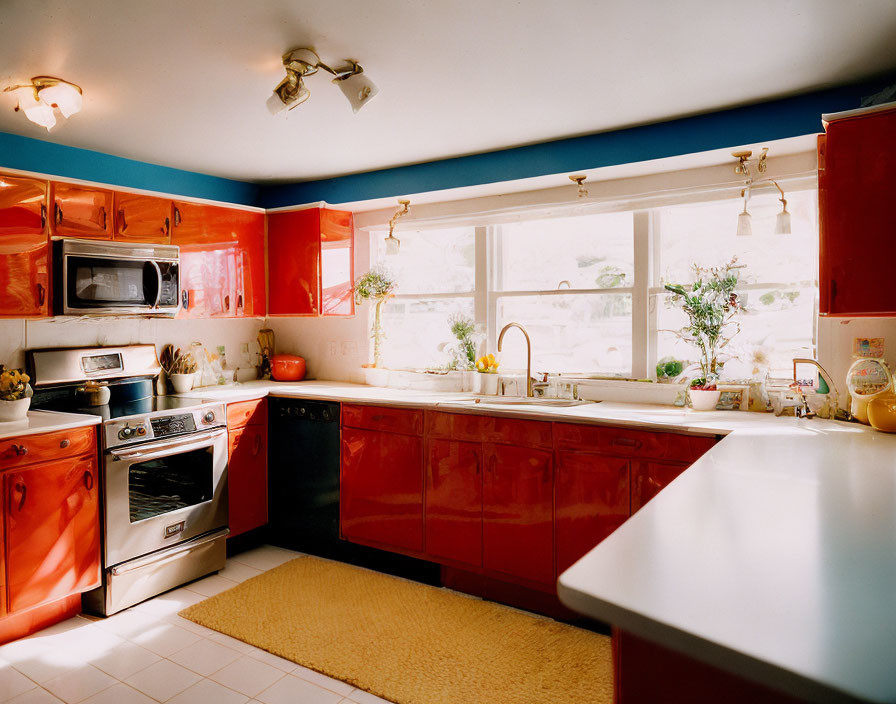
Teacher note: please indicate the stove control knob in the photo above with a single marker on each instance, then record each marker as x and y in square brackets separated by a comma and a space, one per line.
[209, 417]
[141, 430]
[125, 433]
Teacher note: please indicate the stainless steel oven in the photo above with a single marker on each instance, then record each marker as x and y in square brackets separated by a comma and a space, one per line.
[115, 278]
[164, 492]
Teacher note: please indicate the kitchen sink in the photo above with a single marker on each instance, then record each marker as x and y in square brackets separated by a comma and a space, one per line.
[516, 401]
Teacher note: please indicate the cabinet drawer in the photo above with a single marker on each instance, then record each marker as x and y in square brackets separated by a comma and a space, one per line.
[28, 449]
[242, 413]
[625, 443]
[477, 428]
[394, 420]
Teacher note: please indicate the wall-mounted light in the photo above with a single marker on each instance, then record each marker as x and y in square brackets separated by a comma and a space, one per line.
[745, 168]
[579, 180]
[301, 63]
[43, 96]
[392, 242]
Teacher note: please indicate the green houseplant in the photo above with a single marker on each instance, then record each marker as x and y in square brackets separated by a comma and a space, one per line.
[376, 285]
[712, 305]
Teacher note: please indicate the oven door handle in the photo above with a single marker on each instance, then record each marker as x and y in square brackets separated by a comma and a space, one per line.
[169, 447]
[159, 287]
[170, 554]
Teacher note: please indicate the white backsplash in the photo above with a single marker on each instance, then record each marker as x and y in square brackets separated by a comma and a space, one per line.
[835, 337]
[18, 335]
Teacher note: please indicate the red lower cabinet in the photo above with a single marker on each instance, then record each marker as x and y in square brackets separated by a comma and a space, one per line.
[381, 489]
[517, 506]
[592, 502]
[247, 479]
[52, 531]
[454, 501]
[648, 478]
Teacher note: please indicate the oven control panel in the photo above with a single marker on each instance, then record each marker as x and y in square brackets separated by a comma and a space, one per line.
[163, 424]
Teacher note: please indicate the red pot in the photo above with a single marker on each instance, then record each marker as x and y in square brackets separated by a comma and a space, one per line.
[287, 367]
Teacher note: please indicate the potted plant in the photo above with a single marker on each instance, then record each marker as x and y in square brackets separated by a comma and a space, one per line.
[463, 351]
[15, 394]
[712, 306]
[375, 285]
[487, 377]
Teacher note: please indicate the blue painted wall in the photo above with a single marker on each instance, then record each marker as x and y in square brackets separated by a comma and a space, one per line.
[17, 152]
[767, 121]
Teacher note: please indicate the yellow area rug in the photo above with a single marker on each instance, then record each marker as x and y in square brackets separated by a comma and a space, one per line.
[408, 642]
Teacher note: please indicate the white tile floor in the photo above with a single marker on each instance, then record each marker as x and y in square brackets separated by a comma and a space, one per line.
[150, 654]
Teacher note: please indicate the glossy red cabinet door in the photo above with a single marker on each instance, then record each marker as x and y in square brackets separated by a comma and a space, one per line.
[140, 218]
[648, 478]
[337, 262]
[857, 244]
[208, 282]
[82, 211]
[247, 479]
[52, 531]
[517, 507]
[592, 501]
[23, 206]
[381, 489]
[24, 275]
[454, 501]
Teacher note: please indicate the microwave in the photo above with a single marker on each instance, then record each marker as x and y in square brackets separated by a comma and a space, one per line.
[115, 278]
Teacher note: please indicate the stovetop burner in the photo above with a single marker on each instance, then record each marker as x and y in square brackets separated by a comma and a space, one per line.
[134, 407]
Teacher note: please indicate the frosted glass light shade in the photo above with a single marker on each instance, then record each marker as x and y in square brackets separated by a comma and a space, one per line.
[782, 223]
[392, 245]
[358, 88]
[744, 224]
[64, 96]
[39, 112]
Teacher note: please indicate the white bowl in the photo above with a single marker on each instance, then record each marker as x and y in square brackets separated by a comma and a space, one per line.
[14, 410]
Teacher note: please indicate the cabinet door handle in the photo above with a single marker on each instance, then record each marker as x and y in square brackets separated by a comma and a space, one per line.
[20, 450]
[23, 490]
[176, 217]
[627, 442]
[43, 216]
[185, 298]
[65, 443]
[256, 448]
[41, 294]
[58, 213]
[124, 222]
[103, 217]
[227, 303]
[167, 229]
[88, 480]
[492, 462]
[239, 302]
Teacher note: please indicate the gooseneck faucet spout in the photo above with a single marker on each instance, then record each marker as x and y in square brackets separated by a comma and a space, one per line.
[507, 327]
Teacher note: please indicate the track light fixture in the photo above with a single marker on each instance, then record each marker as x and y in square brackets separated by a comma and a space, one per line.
[745, 168]
[301, 63]
[393, 243]
[40, 99]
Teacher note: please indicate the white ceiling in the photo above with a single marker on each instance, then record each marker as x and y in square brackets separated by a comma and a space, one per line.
[183, 82]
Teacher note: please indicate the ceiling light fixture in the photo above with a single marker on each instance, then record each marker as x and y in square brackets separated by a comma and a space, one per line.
[579, 180]
[745, 168]
[45, 94]
[301, 63]
[393, 243]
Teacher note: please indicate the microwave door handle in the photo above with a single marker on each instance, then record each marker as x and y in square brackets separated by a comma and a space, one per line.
[159, 287]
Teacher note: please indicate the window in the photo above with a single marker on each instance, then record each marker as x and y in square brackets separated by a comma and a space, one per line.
[571, 282]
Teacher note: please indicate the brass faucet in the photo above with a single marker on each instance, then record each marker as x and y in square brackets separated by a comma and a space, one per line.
[529, 393]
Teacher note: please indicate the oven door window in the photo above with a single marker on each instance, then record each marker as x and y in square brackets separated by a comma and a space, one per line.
[168, 484]
[94, 282]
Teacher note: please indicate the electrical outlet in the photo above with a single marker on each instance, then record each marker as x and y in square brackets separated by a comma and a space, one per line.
[245, 348]
[353, 349]
[331, 349]
[343, 348]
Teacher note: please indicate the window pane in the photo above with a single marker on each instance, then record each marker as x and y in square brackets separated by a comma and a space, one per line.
[779, 325]
[570, 333]
[418, 331]
[431, 261]
[588, 251]
[705, 233]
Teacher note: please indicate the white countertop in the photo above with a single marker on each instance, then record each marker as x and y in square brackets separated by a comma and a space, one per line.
[45, 422]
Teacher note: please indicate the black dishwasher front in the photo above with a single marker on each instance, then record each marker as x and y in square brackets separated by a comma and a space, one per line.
[303, 485]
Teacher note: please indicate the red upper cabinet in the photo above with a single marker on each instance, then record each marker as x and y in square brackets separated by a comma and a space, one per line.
[311, 262]
[82, 211]
[140, 218]
[23, 206]
[855, 218]
[381, 488]
[454, 501]
[52, 531]
[592, 502]
[222, 260]
[518, 500]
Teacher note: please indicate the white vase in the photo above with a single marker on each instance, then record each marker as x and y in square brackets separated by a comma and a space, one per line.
[14, 410]
[702, 400]
[486, 384]
[182, 382]
[376, 376]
